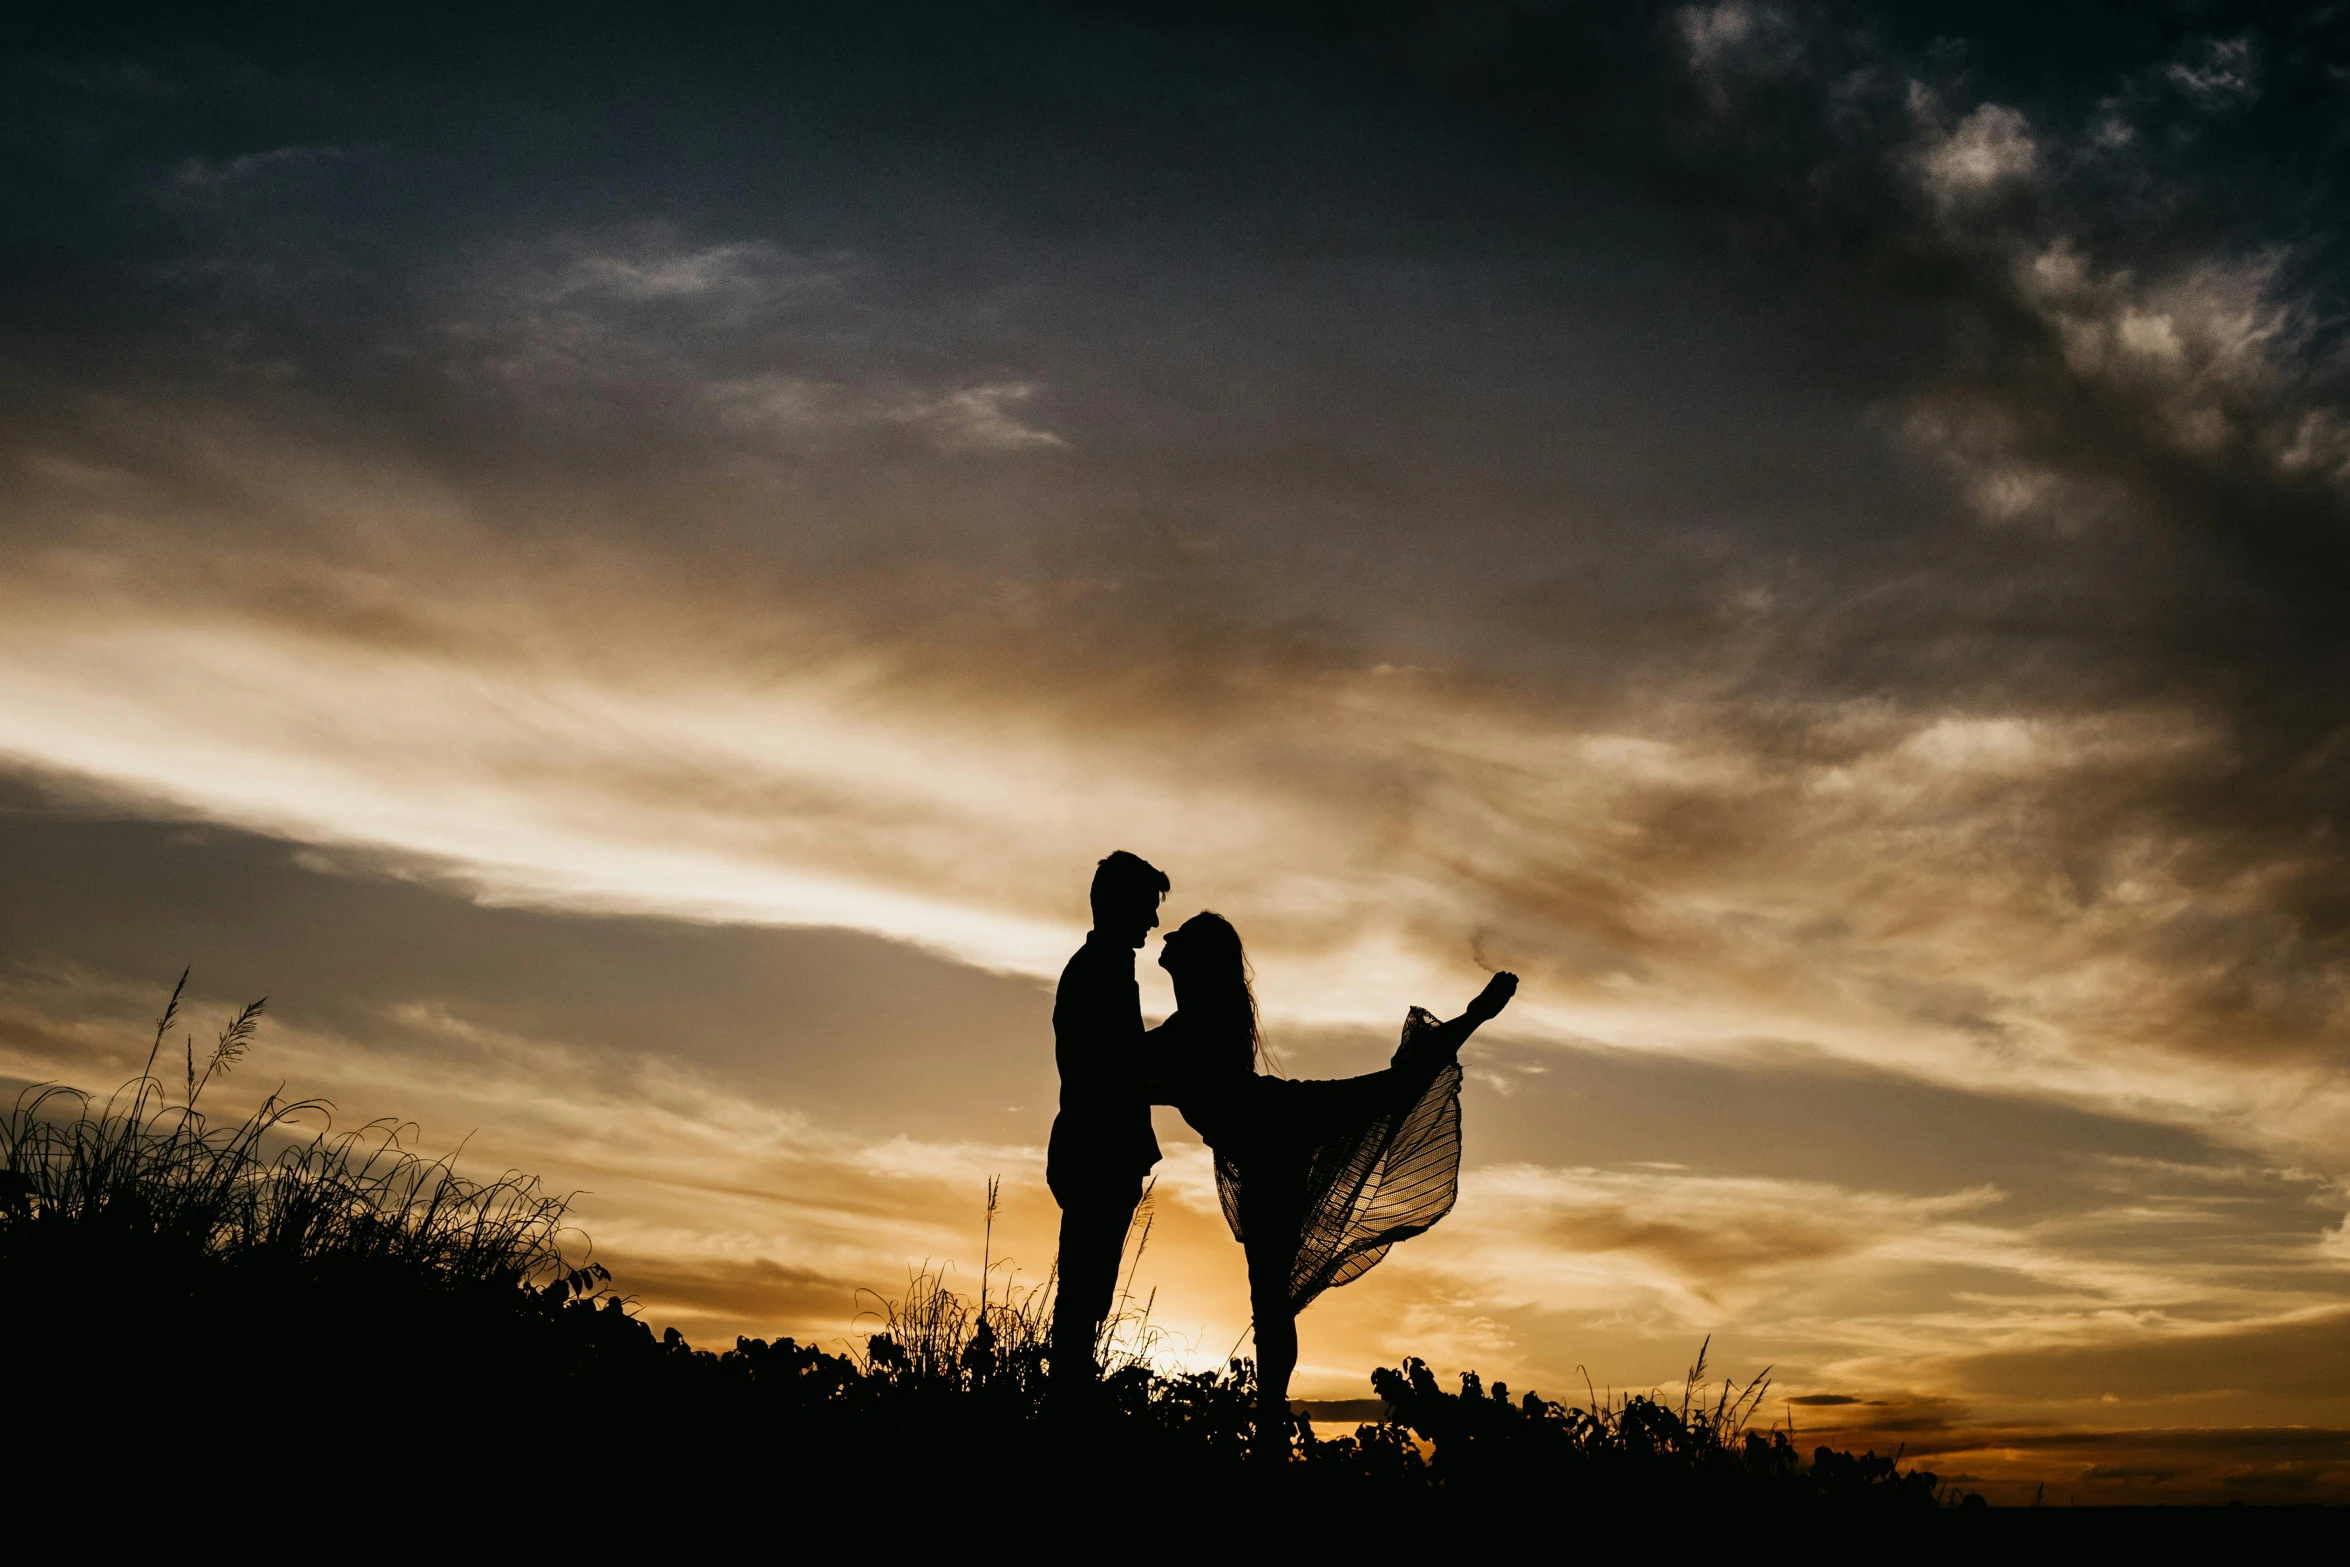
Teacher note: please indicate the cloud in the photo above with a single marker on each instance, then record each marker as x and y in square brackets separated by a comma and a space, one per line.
[1733, 44]
[754, 272]
[2217, 74]
[641, 308]
[980, 418]
[218, 181]
[649, 324]
[974, 419]
[2216, 356]
[1990, 147]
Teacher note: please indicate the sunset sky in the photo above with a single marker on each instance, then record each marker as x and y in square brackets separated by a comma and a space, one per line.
[623, 566]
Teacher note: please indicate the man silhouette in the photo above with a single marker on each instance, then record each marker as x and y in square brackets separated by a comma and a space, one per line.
[1102, 1145]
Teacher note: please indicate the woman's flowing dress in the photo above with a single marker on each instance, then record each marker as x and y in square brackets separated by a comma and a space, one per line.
[1335, 1172]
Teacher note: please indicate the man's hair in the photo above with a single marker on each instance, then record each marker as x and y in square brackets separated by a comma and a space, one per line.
[1125, 878]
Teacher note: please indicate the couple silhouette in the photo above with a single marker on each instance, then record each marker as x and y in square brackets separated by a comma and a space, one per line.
[1318, 1179]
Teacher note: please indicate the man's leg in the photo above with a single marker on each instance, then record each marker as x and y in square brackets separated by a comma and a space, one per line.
[1093, 1239]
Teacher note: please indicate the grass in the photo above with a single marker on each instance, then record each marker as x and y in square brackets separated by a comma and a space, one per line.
[143, 1183]
[179, 1287]
[999, 1343]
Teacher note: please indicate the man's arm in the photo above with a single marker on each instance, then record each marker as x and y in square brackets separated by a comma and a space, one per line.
[1097, 1027]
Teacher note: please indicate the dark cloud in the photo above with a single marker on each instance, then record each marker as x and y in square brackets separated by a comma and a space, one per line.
[2304, 1359]
[1575, 353]
[699, 1298]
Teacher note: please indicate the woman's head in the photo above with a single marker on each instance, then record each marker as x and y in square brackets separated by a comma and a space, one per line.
[1205, 959]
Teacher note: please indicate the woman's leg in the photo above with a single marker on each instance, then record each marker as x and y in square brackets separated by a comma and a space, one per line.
[1276, 1335]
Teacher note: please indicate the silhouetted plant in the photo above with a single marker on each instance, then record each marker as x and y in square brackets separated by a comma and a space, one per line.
[934, 1337]
[140, 1241]
[165, 1180]
[1635, 1445]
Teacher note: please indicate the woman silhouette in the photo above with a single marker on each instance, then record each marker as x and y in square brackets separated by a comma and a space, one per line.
[1318, 1179]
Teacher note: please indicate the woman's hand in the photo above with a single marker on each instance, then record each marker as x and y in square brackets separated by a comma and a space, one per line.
[1493, 998]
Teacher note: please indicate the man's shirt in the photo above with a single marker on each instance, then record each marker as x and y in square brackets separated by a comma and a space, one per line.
[1104, 1128]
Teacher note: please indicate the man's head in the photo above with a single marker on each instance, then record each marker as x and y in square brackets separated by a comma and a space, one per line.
[1126, 893]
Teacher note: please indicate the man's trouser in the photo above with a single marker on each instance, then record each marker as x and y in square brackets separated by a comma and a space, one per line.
[1093, 1237]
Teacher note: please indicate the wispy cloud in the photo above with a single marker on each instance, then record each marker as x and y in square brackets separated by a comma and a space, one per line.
[975, 419]
[777, 347]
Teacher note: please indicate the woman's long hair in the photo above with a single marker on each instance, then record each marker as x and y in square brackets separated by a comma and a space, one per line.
[1219, 994]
